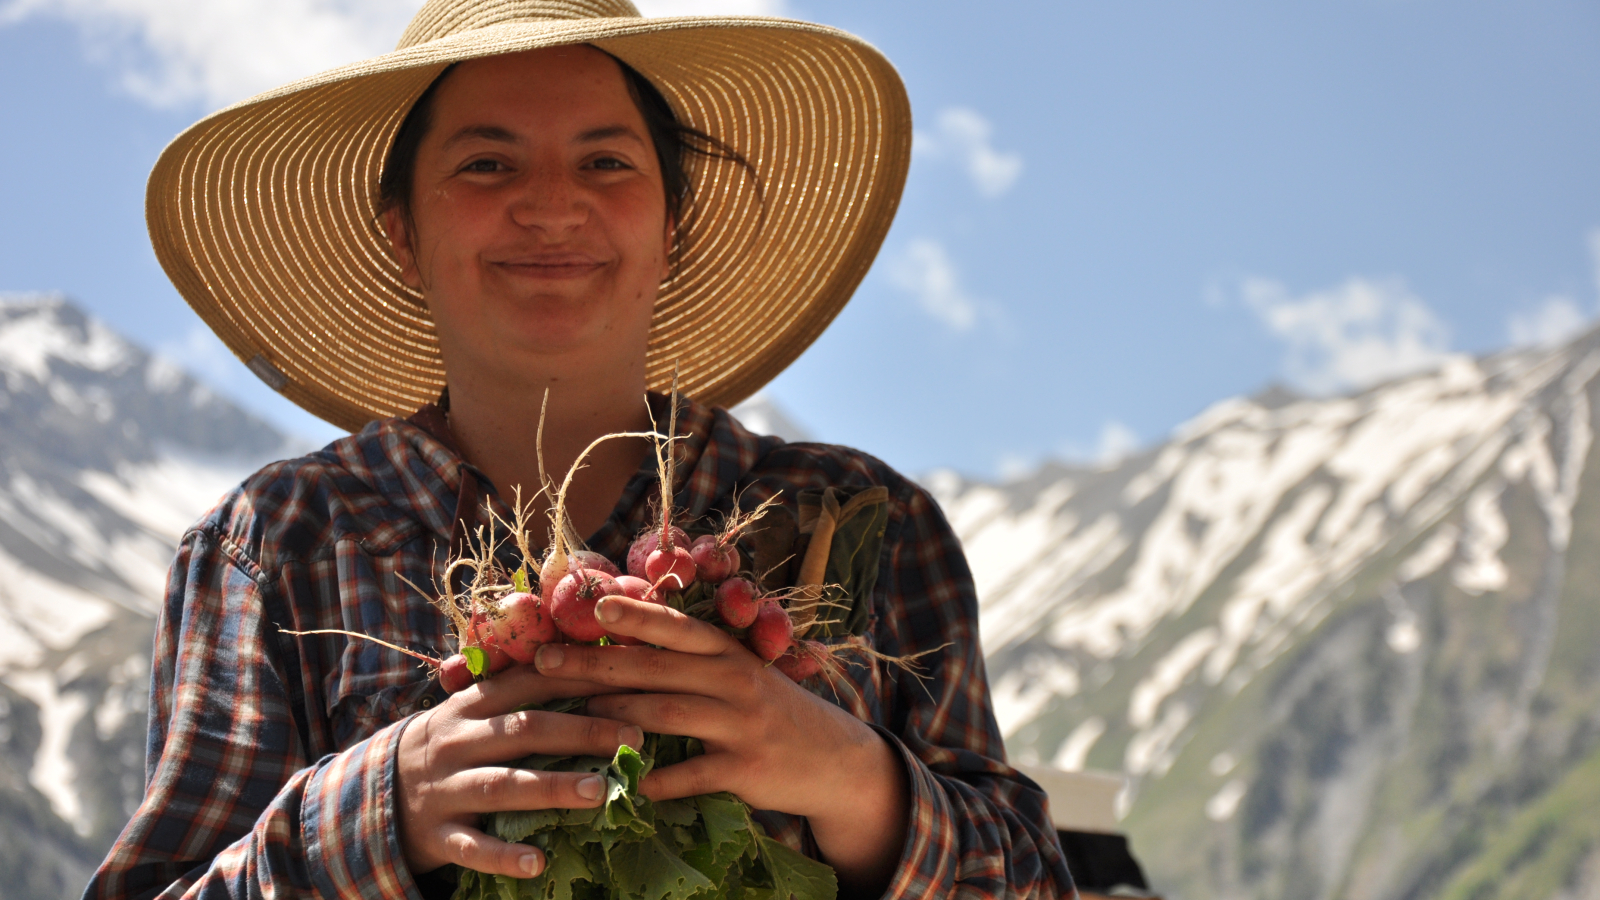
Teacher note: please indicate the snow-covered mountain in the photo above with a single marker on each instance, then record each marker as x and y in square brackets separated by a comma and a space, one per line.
[1343, 647]
[106, 454]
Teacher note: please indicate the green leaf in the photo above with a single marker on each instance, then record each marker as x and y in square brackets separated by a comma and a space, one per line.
[519, 580]
[677, 812]
[728, 836]
[630, 766]
[514, 826]
[797, 876]
[477, 660]
[565, 863]
[628, 848]
[726, 819]
[650, 870]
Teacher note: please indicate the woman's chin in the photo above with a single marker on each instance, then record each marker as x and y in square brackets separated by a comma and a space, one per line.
[580, 345]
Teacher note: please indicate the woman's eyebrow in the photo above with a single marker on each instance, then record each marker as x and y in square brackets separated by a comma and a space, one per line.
[503, 136]
[483, 132]
[607, 132]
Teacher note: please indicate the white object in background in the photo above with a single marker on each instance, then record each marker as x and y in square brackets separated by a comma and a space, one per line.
[1079, 801]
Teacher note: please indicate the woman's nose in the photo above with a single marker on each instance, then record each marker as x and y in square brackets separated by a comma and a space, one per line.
[550, 201]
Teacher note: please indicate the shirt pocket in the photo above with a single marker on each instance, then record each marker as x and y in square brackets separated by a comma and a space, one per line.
[374, 686]
[358, 717]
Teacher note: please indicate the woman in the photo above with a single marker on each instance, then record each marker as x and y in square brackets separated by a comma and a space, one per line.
[545, 215]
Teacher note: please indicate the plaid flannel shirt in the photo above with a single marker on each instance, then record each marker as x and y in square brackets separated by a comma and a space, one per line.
[271, 758]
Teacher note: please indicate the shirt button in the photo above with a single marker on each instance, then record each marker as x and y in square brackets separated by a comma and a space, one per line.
[427, 703]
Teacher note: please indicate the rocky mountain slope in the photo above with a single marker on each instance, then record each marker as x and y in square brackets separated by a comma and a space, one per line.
[106, 455]
[1344, 647]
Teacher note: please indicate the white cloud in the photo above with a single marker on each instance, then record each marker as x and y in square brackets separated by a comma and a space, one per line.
[1014, 466]
[963, 134]
[1350, 336]
[712, 7]
[214, 52]
[1117, 443]
[171, 53]
[1553, 323]
[202, 353]
[926, 271]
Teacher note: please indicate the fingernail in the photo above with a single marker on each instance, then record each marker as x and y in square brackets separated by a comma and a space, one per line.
[632, 735]
[606, 611]
[589, 788]
[529, 864]
[550, 656]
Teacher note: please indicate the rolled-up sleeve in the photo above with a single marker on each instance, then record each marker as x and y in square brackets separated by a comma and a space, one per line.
[233, 805]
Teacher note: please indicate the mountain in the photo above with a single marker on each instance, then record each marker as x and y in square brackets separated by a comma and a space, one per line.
[1339, 648]
[107, 454]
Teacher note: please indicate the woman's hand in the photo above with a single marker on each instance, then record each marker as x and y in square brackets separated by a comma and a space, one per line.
[450, 769]
[769, 741]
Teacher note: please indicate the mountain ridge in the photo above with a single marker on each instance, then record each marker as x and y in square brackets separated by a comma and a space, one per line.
[1174, 618]
[107, 454]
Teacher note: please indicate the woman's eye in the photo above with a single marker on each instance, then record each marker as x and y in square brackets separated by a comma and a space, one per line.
[609, 163]
[482, 165]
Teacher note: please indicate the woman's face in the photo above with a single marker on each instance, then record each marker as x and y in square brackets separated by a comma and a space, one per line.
[538, 220]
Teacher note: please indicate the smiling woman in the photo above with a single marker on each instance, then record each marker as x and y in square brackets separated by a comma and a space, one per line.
[543, 234]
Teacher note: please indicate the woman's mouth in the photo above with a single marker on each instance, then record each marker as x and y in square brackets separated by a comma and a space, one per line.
[550, 266]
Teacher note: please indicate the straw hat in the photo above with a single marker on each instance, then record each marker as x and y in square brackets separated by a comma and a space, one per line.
[263, 214]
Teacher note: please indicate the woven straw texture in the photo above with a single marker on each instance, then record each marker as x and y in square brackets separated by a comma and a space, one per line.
[264, 214]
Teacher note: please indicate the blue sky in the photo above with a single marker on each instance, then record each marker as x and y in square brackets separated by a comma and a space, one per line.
[1117, 215]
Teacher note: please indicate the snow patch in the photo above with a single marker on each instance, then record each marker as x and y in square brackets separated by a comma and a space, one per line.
[1023, 692]
[30, 341]
[53, 773]
[1225, 802]
[166, 496]
[1074, 751]
[38, 613]
[1168, 674]
[1431, 556]
[1154, 749]
[1481, 570]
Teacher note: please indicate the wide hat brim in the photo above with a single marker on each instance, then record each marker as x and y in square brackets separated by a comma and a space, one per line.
[264, 214]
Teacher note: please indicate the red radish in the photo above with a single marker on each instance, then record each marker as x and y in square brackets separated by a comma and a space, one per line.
[523, 626]
[772, 632]
[482, 633]
[637, 589]
[737, 600]
[589, 559]
[714, 562]
[800, 661]
[670, 568]
[646, 543]
[454, 675]
[572, 604]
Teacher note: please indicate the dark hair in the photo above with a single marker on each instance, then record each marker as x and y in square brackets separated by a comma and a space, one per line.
[673, 142]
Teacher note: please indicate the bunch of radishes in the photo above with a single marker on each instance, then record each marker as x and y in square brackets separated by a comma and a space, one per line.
[501, 625]
[664, 566]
